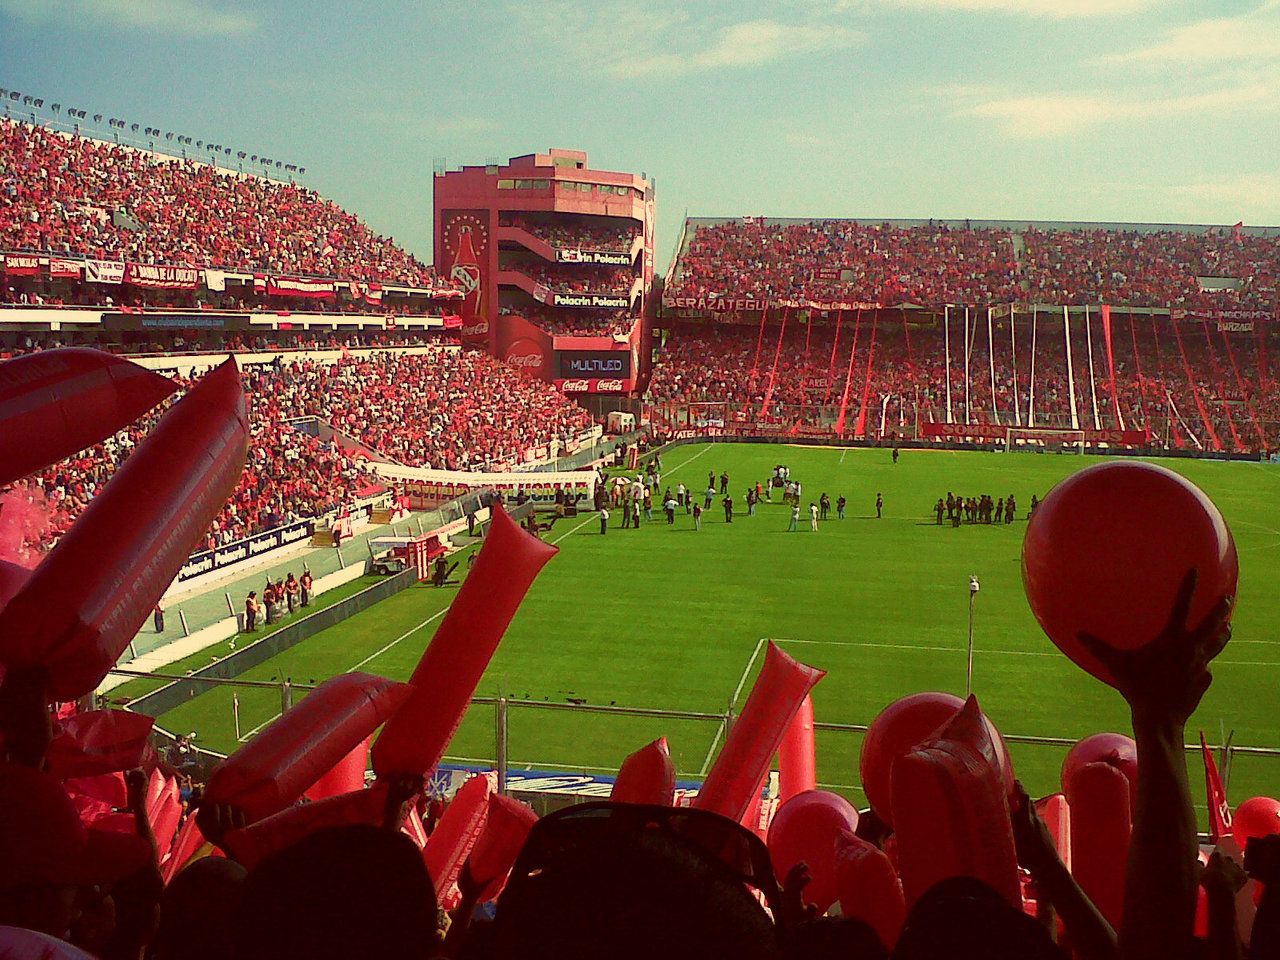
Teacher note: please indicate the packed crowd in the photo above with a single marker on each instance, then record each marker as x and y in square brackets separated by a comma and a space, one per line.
[1220, 397]
[210, 341]
[840, 260]
[440, 409]
[63, 193]
[567, 278]
[573, 322]
[585, 233]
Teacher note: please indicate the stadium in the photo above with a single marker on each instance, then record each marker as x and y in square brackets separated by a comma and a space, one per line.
[546, 596]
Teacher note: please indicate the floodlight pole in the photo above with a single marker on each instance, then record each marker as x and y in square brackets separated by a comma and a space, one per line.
[974, 587]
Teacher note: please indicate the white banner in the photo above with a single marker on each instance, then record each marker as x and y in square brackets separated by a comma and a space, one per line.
[103, 271]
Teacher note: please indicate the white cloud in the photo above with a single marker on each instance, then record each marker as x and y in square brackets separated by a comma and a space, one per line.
[1064, 114]
[189, 17]
[1252, 36]
[1054, 9]
[751, 43]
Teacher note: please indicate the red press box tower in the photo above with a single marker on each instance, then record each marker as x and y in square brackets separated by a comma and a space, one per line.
[557, 261]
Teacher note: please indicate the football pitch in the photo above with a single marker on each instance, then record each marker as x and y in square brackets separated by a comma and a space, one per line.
[669, 618]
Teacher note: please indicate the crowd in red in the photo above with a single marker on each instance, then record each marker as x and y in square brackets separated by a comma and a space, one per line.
[566, 278]
[67, 194]
[1218, 399]
[572, 322]
[932, 264]
[584, 234]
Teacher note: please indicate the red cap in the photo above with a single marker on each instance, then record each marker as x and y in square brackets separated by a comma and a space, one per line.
[42, 839]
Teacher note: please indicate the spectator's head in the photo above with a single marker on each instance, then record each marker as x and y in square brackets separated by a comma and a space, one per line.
[964, 919]
[47, 857]
[195, 909]
[346, 892]
[834, 938]
[644, 893]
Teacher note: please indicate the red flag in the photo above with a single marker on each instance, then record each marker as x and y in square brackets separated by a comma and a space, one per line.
[1238, 232]
[1219, 808]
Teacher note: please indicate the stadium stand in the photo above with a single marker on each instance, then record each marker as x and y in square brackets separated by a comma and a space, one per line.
[574, 235]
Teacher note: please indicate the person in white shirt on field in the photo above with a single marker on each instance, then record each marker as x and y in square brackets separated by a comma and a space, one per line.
[813, 517]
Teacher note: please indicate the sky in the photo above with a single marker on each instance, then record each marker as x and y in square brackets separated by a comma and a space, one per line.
[1112, 110]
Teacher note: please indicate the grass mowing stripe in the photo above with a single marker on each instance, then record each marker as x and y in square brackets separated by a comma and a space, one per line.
[408, 633]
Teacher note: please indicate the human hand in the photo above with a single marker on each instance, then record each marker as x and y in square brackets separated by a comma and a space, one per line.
[216, 820]
[792, 909]
[402, 790]
[1222, 874]
[135, 782]
[1031, 837]
[1165, 679]
[1262, 858]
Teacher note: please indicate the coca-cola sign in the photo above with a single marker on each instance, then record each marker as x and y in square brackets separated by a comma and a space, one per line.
[594, 386]
[575, 386]
[609, 386]
[478, 329]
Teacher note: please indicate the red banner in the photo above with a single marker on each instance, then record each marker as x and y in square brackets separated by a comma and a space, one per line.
[68, 269]
[21, 266]
[300, 287]
[161, 276]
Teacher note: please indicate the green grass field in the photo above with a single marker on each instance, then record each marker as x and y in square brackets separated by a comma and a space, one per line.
[667, 617]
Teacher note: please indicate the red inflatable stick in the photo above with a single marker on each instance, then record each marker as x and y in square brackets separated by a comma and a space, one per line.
[456, 834]
[108, 788]
[96, 588]
[346, 776]
[749, 749]
[1115, 749]
[807, 827]
[253, 843]
[185, 846]
[647, 776]
[951, 813]
[1108, 549]
[451, 667]
[506, 827]
[1056, 814]
[166, 813]
[98, 742]
[413, 828]
[869, 887]
[797, 760]
[1100, 829]
[58, 402]
[277, 766]
[902, 725]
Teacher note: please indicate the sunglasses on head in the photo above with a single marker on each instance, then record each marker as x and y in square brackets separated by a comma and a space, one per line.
[722, 841]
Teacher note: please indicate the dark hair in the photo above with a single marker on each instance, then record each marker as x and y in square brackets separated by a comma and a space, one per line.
[962, 918]
[355, 891]
[838, 938]
[195, 908]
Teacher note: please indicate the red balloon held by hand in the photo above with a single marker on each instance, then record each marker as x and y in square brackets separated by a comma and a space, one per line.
[1108, 550]
[1255, 818]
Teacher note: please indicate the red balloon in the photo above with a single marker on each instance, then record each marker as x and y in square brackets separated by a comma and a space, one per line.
[1107, 551]
[647, 776]
[12, 578]
[902, 725]
[806, 827]
[1256, 817]
[1111, 748]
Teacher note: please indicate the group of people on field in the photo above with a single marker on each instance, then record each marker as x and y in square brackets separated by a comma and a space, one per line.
[981, 509]
[278, 597]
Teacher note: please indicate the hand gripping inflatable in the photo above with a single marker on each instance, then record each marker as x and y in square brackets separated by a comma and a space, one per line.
[96, 588]
[807, 827]
[749, 749]
[453, 663]
[56, 403]
[1256, 817]
[1100, 829]
[346, 776]
[869, 888]
[647, 776]
[257, 841]
[98, 742]
[456, 834]
[18, 943]
[902, 725]
[951, 812]
[797, 763]
[1115, 749]
[506, 827]
[1108, 549]
[273, 769]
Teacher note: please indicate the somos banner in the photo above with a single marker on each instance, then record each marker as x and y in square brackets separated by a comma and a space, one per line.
[612, 258]
[242, 550]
